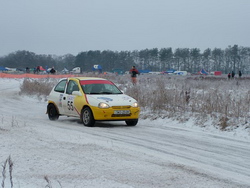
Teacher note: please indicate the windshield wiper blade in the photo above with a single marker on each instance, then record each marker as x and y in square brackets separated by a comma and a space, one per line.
[106, 92]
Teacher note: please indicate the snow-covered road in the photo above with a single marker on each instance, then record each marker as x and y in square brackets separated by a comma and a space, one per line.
[159, 153]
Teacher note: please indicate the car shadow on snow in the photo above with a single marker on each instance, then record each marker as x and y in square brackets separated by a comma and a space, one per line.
[101, 124]
[108, 124]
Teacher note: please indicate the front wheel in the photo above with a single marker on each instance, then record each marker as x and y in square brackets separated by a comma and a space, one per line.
[52, 112]
[132, 122]
[87, 117]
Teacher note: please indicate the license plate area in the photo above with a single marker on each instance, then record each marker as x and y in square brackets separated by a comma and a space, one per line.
[121, 112]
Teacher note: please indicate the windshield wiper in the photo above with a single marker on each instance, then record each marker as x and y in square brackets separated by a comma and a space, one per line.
[106, 92]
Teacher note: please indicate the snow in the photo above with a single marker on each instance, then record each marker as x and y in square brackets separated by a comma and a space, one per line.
[155, 153]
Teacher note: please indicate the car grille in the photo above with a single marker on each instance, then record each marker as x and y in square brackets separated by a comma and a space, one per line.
[121, 107]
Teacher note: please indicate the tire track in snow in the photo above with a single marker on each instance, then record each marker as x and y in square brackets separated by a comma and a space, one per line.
[209, 152]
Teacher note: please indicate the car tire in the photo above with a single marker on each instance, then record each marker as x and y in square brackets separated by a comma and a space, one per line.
[132, 122]
[52, 112]
[87, 117]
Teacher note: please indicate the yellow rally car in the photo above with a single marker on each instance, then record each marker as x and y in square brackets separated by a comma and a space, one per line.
[91, 99]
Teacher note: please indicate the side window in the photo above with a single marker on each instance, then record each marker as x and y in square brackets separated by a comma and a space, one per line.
[60, 86]
[72, 86]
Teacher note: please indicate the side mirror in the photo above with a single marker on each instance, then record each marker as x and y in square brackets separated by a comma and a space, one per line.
[77, 93]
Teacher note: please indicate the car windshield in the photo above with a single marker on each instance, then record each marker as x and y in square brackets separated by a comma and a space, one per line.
[99, 87]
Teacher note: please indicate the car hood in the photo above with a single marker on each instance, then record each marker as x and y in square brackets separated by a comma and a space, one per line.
[111, 100]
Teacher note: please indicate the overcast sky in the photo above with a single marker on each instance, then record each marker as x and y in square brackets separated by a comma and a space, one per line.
[71, 26]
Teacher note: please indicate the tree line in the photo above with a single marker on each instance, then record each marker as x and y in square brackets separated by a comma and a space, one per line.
[233, 58]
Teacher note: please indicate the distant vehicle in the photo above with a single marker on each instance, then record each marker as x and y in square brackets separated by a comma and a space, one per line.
[91, 99]
[76, 70]
[170, 71]
[151, 72]
[216, 73]
[181, 73]
[3, 69]
[11, 70]
[65, 71]
[143, 71]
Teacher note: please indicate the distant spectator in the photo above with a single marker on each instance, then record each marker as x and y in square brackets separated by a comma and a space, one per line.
[133, 73]
[233, 74]
[229, 75]
[240, 74]
[52, 70]
[37, 70]
[27, 70]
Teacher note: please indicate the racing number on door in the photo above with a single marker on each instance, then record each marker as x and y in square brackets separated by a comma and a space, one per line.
[70, 105]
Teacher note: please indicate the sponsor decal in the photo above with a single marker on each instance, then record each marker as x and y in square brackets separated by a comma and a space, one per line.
[71, 98]
[60, 100]
[105, 98]
[125, 98]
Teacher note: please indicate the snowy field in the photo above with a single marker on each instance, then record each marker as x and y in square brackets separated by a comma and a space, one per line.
[153, 154]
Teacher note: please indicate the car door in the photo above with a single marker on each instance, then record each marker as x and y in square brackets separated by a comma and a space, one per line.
[57, 95]
[68, 103]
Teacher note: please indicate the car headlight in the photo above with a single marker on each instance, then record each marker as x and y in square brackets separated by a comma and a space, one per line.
[103, 105]
[135, 104]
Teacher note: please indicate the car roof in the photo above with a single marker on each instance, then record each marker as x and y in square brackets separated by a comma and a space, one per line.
[89, 78]
[82, 78]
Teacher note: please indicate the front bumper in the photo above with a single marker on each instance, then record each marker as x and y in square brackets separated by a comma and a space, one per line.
[108, 114]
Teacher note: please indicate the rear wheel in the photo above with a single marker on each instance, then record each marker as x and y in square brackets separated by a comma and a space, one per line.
[52, 112]
[87, 117]
[132, 122]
